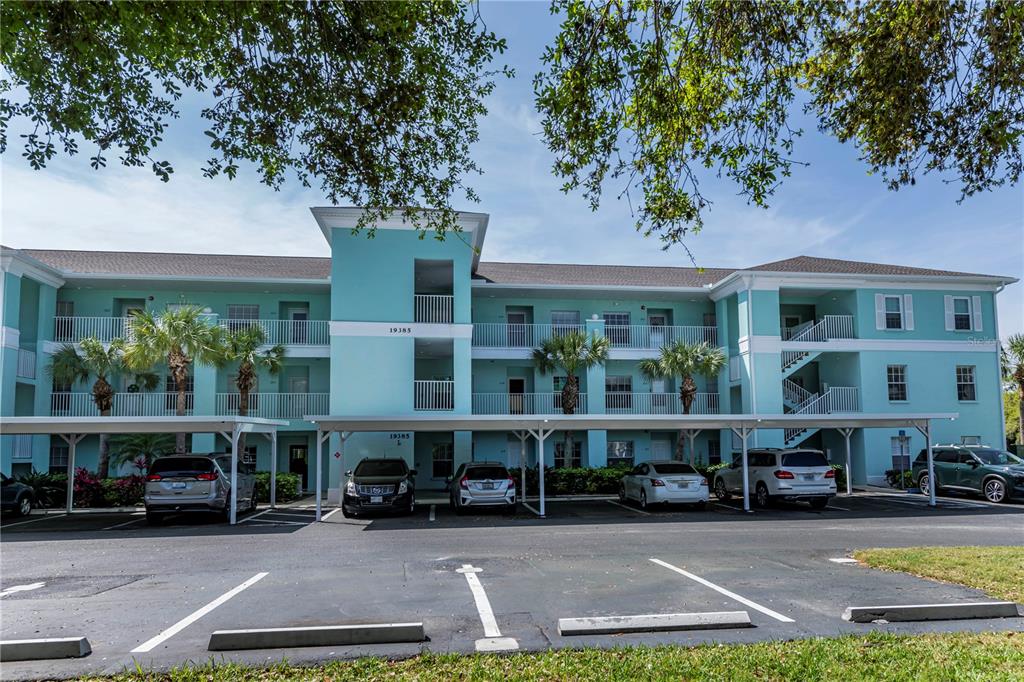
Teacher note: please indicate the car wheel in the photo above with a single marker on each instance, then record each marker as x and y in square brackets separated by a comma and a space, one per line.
[924, 484]
[622, 493]
[252, 502]
[721, 492]
[346, 513]
[24, 507]
[761, 496]
[154, 519]
[819, 503]
[643, 499]
[994, 489]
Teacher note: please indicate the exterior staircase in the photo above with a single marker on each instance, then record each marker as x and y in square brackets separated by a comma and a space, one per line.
[792, 360]
[837, 399]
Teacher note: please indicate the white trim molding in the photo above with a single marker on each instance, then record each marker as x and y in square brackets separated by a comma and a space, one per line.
[10, 337]
[969, 345]
[410, 330]
[17, 263]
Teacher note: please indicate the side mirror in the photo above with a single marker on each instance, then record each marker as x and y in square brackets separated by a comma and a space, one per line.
[412, 472]
[348, 473]
[974, 464]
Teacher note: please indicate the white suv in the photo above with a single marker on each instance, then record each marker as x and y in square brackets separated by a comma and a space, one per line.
[776, 474]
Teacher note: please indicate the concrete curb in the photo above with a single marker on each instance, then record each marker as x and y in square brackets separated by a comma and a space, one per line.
[917, 612]
[43, 649]
[323, 635]
[659, 622]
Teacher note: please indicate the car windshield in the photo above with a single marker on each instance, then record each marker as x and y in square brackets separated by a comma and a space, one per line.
[486, 473]
[181, 466]
[997, 457]
[381, 467]
[804, 459]
[673, 468]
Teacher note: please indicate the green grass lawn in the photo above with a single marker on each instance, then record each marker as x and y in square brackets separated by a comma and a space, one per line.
[874, 656]
[999, 571]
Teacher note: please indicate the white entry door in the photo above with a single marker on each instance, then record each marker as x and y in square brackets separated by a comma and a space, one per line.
[661, 449]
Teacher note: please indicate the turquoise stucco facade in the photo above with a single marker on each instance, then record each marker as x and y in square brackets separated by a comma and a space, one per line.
[398, 325]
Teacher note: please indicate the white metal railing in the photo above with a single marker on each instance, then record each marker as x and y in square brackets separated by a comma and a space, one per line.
[827, 328]
[274, 405]
[794, 392]
[789, 332]
[835, 399]
[524, 403]
[26, 363]
[433, 395]
[646, 336]
[791, 357]
[285, 332]
[734, 368]
[21, 448]
[69, 329]
[64, 404]
[658, 403]
[435, 308]
[504, 335]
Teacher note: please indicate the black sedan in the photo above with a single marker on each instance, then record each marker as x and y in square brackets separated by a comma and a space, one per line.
[379, 485]
[16, 497]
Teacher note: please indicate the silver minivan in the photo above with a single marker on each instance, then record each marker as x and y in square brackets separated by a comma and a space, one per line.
[196, 483]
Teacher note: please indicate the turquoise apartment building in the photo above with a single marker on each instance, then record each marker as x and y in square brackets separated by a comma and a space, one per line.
[401, 326]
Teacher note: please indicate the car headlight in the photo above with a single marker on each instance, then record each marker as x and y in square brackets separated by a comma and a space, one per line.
[350, 488]
[403, 488]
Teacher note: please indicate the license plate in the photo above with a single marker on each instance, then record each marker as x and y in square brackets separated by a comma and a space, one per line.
[178, 486]
[808, 477]
[487, 486]
[377, 499]
[683, 485]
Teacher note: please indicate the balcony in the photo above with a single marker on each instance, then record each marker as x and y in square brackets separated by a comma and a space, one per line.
[125, 405]
[503, 335]
[658, 403]
[275, 405]
[635, 336]
[523, 403]
[285, 332]
[433, 395]
[434, 308]
[105, 329]
[827, 328]
[642, 336]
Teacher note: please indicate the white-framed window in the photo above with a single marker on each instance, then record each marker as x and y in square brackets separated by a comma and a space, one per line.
[899, 445]
[171, 389]
[893, 312]
[577, 455]
[618, 392]
[441, 457]
[243, 311]
[564, 321]
[965, 389]
[65, 308]
[616, 328]
[620, 452]
[896, 376]
[714, 452]
[59, 459]
[619, 319]
[963, 313]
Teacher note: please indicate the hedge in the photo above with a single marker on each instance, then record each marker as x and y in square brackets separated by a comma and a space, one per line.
[287, 486]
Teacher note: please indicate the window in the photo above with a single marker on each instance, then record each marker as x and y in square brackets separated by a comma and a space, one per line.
[965, 382]
[620, 452]
[714, 452]
[711, 383]
[243, 311]
[564, 321]
[618, 393]
[893, 313]
[557, 384]
[896, 375]
[441, 457]
[560, 459]
[171, 397]
[234, 398]
[961, 313]
[58, 459]
[616, 328]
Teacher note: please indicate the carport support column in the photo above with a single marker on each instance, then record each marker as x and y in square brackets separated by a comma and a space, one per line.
[926, 431]
[235, 432]
[72, 440]
[744, 432]
[541, 435]
[273, 467]
[522, 435]
[849, 464]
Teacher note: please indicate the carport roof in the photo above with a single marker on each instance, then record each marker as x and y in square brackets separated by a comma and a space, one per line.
[670, 422]
[88, 425]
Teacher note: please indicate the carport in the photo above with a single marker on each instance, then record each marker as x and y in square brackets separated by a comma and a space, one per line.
[74, 429]
[540, 427]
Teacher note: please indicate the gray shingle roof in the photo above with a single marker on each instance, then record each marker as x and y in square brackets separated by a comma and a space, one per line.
[851, 267]
[183, 264]
[598, 275]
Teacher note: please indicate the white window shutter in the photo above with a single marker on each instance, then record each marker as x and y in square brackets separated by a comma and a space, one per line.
[879, 311]
[908, 312]
[976, 311]
[950, 322]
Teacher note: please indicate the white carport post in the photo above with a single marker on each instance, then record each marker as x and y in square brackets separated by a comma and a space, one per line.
[522, 436]
[541, 435]
[743, 433]
[926, 431]
[72, 440]
[235, 432]
[273, 467]
[846, 433]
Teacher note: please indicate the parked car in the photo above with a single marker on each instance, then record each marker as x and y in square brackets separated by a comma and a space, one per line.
[482, 484]
[796, 474]
[196, 483]
[16, 497]
[996, 474]
[379, 485]
[664, 482]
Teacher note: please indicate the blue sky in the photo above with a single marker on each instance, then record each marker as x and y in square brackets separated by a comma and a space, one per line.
[831, 208]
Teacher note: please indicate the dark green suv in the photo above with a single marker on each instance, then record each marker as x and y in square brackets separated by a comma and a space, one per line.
[996, 474]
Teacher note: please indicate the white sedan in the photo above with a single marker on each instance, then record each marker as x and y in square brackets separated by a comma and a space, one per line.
[664, 482]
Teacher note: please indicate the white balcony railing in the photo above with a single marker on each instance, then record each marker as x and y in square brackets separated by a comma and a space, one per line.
[658, 403]
[434, 308]
[125, 405]
[285, 332]
[433, 395]
[26, 363]
[524, 403]
[73, 329]
[502, 335]
[827, 328]
[794, 392]
[837, 399]
[646, 336]
[275, 405]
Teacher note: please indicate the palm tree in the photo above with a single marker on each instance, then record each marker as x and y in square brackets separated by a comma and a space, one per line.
[179, 337]
[571, 352]
[244, 346]
[684, 360]
[1012, 361]
[70, 365]
[131, 447]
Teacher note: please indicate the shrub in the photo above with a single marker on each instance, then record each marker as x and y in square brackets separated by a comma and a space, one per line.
[840, 476]
[48, 490]
[123, 492]
[287, 486]
[892, 477]
[88, 489]
[574, 480]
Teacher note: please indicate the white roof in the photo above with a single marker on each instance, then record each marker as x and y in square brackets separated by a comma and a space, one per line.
[86, 425]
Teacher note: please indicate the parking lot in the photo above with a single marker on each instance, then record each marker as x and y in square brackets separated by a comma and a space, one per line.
[153, 595]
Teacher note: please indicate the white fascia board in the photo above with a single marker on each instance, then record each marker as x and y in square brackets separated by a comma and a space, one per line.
[479, 285]
[17, 263]
[72, 277]
[815, 280]
[986, 345]
[401, 329]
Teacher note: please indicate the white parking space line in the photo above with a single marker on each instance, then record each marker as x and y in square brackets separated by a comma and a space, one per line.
[21, 588]
[837, 508]
[330, 514]
[295, 516]
[732, 595]
[844, 560]
[22, 523]
[277, 523]
[433, 512]
[124, 523]
[725, 506]
[619, 504]
[494, 641]
[151, 644]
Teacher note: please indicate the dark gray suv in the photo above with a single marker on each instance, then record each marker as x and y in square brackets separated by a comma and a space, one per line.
[379, 485]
